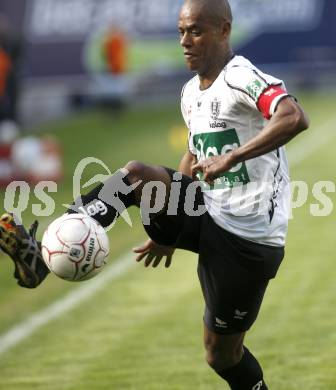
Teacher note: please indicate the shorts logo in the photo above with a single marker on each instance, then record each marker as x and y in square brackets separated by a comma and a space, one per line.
[257, 386]
[240, 315]
[220, 323]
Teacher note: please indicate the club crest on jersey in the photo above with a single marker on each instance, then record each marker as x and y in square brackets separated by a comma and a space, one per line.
[215, 107]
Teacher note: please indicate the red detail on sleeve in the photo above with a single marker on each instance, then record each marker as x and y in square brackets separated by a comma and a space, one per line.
[266, 99]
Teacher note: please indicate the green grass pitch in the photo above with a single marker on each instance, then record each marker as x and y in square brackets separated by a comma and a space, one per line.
[143, 331]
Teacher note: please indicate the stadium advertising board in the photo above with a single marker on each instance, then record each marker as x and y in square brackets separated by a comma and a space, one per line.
[63, 37]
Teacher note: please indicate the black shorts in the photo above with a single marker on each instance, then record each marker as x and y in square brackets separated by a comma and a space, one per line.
[233, 272]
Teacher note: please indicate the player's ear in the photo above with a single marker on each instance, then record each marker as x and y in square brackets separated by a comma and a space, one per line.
[226, 29]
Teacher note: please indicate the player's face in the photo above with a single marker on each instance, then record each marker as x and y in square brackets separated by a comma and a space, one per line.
[203, 43]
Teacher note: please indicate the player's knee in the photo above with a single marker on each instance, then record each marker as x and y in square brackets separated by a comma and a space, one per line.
[220, 359]
[136, 170]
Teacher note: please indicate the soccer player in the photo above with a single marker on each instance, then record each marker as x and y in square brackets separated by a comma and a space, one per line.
[238, 119]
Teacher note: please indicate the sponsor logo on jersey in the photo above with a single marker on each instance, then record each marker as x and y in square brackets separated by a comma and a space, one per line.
[218, 124]
[255, 88]
[216, 144]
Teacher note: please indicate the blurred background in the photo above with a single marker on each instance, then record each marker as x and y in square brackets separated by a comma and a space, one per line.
[102, 78]
[84, 51]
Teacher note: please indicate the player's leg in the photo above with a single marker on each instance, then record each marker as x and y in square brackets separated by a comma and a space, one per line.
[223, 351]
[125, 188]
[232, 361]
[115, 195]
[143, 174]
[234, 274]
[179, 226]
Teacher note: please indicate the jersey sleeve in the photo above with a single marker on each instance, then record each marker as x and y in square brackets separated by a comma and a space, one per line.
[184, 110]
[185, 115]
[255, 89]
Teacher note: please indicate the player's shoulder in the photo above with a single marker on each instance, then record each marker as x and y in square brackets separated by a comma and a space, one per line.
[242, 75]
[238, 67]
[190, 86]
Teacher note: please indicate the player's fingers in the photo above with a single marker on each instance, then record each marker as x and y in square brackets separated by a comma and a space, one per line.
[206, 177]
[195, 169]
[143, 248]
[139, 249]
[157, 261]
[209, 181]
[168, 261]
[149, 259]
[141, 256]
[209, 176]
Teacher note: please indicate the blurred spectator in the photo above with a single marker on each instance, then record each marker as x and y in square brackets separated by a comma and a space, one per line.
[115, 51]
[111, 86]
[37, 158]
[10, 53]
[30, 158]
[9, 57]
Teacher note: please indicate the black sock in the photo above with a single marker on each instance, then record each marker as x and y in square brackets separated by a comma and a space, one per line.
[106, 201]
[246, 375]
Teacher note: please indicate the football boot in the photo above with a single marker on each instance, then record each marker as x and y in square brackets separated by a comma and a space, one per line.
[25, 251]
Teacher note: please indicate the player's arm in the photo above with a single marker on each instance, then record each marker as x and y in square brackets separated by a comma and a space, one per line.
[288, 121]
[187, 161]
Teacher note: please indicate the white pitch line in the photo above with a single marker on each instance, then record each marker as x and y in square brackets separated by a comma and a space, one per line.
[309, 144]
[23, 330]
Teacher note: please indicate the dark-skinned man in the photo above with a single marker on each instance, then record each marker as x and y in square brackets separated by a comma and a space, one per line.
[235, 168]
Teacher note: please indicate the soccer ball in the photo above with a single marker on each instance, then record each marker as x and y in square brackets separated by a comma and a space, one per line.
[75, 247]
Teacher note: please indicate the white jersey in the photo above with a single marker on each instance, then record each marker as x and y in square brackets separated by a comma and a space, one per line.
[252, 199]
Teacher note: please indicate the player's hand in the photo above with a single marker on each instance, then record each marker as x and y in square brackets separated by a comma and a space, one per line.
[153, 253]
[213, 167]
